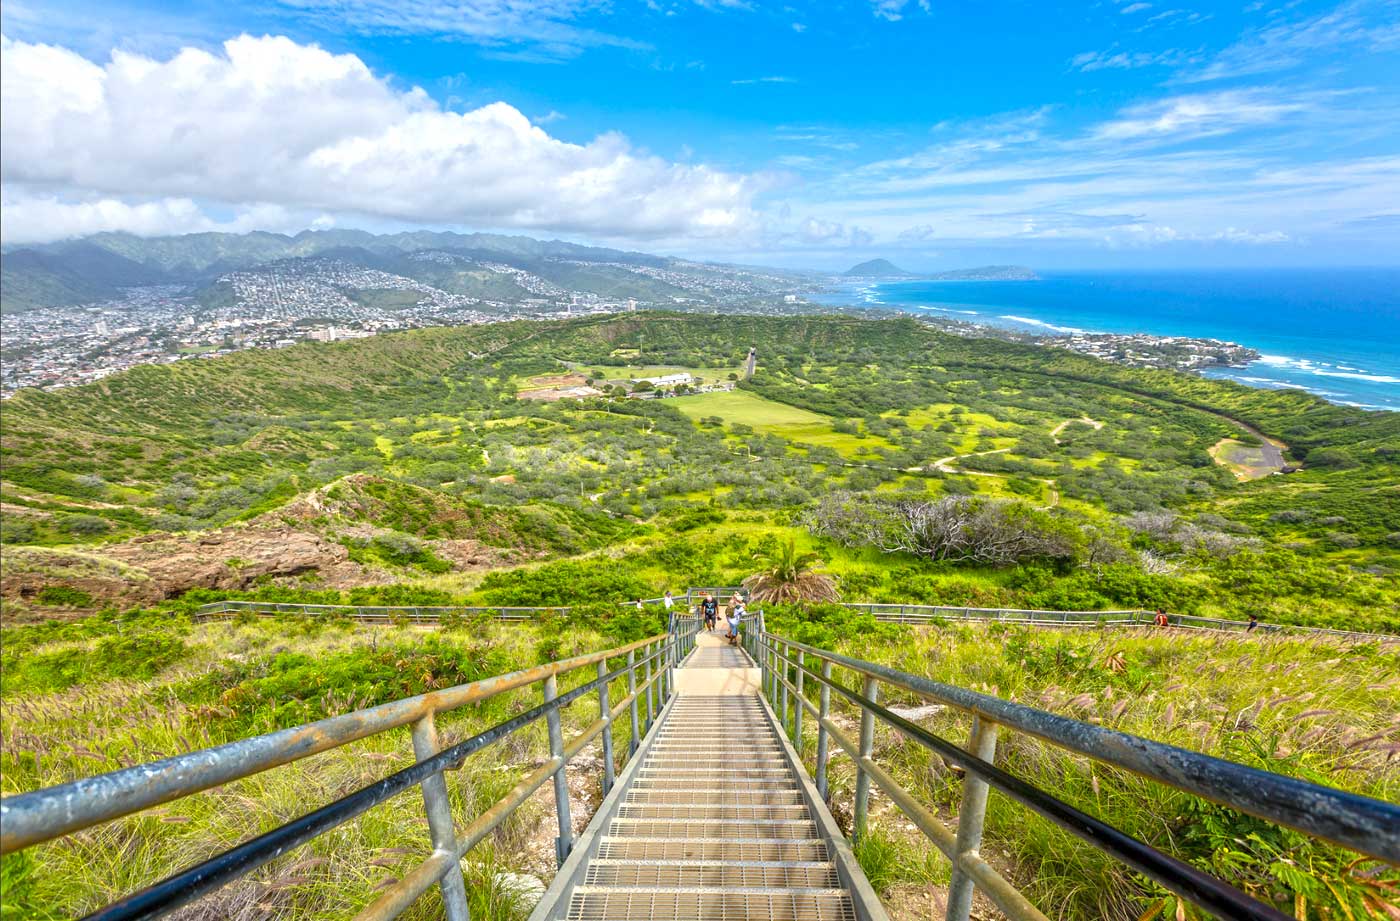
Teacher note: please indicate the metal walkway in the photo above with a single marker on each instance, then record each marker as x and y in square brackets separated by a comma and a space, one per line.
[715, 819]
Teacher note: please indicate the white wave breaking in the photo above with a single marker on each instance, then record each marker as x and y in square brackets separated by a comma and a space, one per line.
[1041, 323]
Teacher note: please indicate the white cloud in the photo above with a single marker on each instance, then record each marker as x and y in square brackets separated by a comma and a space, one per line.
[29, 217]
[1198, 115]
[269, 121]
[549, 28]
[1214, 171]
[1112, 59]
[815, 231]
[1363, 26]
[1135, 8]
[752, 80]
[893, 10]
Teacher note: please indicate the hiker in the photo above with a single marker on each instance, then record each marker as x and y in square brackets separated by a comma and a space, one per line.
[709, 607]
[1253, 622]
[640, 606]
[736, 614]
[668, 600]
[1161, 619]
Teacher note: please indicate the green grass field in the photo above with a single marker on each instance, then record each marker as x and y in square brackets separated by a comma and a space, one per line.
[769, 417]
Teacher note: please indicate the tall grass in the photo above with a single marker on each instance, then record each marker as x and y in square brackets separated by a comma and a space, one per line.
[229, 682]
[1327, 713]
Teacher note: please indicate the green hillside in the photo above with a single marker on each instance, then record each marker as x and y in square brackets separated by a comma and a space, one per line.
[1128, 508]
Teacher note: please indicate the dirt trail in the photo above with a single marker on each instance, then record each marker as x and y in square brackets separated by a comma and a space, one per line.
[1055, 432]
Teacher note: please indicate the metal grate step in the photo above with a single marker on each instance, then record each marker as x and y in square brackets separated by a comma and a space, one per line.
[727, 905]
[714, 766]
[743, 796]
[710, 811]
[713, 828]
[773, 849]
[721, 874]
[719, 784]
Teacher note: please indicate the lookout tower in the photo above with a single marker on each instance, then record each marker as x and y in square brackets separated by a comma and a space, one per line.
[750, 363]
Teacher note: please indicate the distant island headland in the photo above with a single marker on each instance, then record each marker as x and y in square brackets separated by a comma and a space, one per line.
[883, 268]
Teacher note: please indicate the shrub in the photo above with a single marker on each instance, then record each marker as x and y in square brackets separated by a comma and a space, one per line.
[564, 583]
[83, 525]
[64, 596]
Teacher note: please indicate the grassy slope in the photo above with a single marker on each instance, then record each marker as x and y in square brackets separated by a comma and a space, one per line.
[167, 687]
[1317, 711]
[252, 430]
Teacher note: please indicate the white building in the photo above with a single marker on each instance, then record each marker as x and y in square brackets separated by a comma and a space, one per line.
[666, 380]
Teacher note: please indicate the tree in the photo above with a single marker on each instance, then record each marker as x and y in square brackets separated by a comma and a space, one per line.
[789, 576]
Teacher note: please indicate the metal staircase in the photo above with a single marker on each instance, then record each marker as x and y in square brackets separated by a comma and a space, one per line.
[715, 819]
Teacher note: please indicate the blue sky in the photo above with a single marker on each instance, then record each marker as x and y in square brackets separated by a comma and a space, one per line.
[1144, 134]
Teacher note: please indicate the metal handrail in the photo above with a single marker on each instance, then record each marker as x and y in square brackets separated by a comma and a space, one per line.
[419, 613]
[31, 818]
[891, 612]
[1370, 827]
[901, 613]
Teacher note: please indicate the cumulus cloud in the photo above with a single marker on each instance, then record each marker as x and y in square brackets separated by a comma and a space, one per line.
[29, 217]
[813, 230]
[271, 121]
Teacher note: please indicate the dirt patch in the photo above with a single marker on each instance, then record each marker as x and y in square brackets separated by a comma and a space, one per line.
[585, 773]
[1247, 462]
[556, 381]
[563, 393]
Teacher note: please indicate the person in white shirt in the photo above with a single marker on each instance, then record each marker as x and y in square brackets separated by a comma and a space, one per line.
[668, 600]
[736, 614]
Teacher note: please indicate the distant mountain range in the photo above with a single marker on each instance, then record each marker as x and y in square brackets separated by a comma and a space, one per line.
[99, 267]
[883, 268]
[494, 267]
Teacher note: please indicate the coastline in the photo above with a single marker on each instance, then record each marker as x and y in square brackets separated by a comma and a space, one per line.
[1342, 370]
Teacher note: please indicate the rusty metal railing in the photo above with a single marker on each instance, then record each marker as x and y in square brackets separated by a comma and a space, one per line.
[917, 614]
[31, 818]
[1368, 826]
[386, 613]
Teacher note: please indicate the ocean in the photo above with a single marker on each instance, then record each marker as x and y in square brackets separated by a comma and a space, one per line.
[1334, 332]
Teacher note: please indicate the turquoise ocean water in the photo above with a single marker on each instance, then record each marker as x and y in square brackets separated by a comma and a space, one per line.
[1333, 332]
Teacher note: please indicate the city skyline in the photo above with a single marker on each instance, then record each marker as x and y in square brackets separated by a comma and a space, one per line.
[1116, 134]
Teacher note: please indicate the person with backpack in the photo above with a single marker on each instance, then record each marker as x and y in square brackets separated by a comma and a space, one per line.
[1161, 619]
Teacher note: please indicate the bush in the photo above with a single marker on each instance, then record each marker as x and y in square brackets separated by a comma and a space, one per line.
[83, 525]
[692, 518]
[563, 584]
[64, 596]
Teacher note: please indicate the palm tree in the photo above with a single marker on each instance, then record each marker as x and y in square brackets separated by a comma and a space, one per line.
[789, 576]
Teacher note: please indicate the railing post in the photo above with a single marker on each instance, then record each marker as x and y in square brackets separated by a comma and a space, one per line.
[651, 697]
[632, 692]
[565, 842]
[440, 825]
[824, 706]
[605, 713]
[971, 816]
[783, 664]
[867, 745]
[797, 715]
